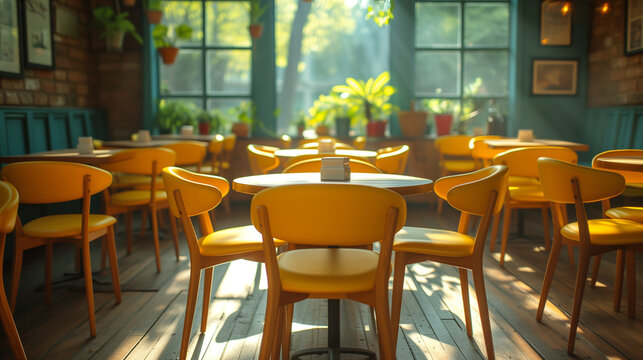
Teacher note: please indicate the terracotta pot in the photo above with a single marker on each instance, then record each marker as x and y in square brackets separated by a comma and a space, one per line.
[443, 124]
[168, 54]
[322, 130]
[412, 123]
[114, 41]
[255, 30]
[154, 16]
[376, 128]
[240, 129]
[204, 128]
[129, 2]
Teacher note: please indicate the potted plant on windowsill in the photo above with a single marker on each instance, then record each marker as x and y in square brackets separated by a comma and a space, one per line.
[412, 123]
[442, 110]
[245, 114]
[255, 11]
[332, 107]
[113, 27]
[154, 11]
[165, 43]
[209, 121]
[172, 114]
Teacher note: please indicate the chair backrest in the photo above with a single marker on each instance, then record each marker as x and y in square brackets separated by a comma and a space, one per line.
[631, 177]
[338, 145]
[286, 141]
[140, 161]
[229, 141]
[296, 159]
[200, 192]
[392, 160]
[481, 152]
[188, 152]
[328, 214]
[523, 161]
[359, 142]
[453, 145]
[266, 148]
[306, 141]
[314, 165]
[44, 182]
[261, 162]
[8, 209]
[216, 145]
[594, 184]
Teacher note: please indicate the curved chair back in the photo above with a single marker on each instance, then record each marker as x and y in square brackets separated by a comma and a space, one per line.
[328, 214]
[229, 141]
[286, 141]
[43, 182]
[453, 145]
[200, 193]
[523, 161]
[306, 141]
[594, 184]
[392, 160]
[9, 200]
[631, 177]
[296, 159]
[261, 162]
[359, 142]
[314, 165]
[141, 161]
[216, 145]
[266, 148]
[338, 145]
[481, 152]
[473, 192]
[188, 152]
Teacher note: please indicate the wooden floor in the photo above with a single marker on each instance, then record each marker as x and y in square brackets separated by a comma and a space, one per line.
[148, 322]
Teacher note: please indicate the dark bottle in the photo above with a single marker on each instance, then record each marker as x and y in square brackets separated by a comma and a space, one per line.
[495, 122]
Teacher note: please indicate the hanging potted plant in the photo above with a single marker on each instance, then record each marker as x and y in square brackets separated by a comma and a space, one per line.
[154, 11]
[166, 44]
[245, 114]
[129, 2]
[113, 27]
[255, 11]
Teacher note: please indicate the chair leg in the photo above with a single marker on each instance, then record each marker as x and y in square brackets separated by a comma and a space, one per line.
[546, 228]
[581, 279]
[128, 231]
[175, 236]
[387, 349]
[272, 309]
[155, 231]
[595, 268]
[49, 255]
[193, 289]
[398, 289]
[15, 276]
[287, 333]
[481, 295]
[494, 232]
[10, 326]
[506, 221]
[113, 263]
[89, 288]
[549, 276]
[464, 284]
[618, 281]
[631, 283]
[276, 342]
[207, 289]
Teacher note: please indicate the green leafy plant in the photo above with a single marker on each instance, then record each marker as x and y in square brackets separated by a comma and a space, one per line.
[383, 15]
[213, 117]
[245, 112]
[255, 11]
[111, 23]
[368, 100]
[153, 4]
[329, 107]
[163, 38]
[172, 114]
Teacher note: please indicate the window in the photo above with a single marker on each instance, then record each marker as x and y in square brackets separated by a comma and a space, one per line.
[462, 57]
[213, 69]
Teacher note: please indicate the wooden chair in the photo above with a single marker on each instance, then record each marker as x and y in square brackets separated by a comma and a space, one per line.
[338, 146]
[149, 162]
[306, 141]
[481, 153]
[189, 154]
[314, 165]
[286, 141]
[392, 160]
[478, 193]
[302, 215]
[565, 183]
[359, 142]
[522, 163]
[192, 195]
[296, 159]
[261, 162]
[454, 157]
[45, 182]
[8, 210]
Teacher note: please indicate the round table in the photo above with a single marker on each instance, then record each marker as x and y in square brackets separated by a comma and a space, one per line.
[289, 153]
[625, 163]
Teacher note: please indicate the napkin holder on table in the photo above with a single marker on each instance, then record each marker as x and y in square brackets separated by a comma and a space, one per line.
[326, 146]
[525, 135]
[144, 136]
[85, 145]
[335, 169]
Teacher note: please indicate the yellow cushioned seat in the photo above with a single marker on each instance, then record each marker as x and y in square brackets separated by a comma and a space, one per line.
[136, 197]
[433, 241]
[607, 231]
[328, 270]
[459, 165]
[634, 213]
[232, 241]
[65, 225]
[527, 193]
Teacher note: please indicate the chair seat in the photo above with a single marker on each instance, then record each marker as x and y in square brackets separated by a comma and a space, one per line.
[135, 197]
[527, 194]
[608, 232]
[634, 213]
[433, 242]
[232, 241]
[55, 226]
[522, 181]
[459, 165]
[334, 271]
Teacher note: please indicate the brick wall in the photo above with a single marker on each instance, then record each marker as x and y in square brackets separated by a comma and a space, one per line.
[614, 79]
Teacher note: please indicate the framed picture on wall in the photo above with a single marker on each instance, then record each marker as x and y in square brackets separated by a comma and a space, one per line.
[10, 47]
[555, 23]
[554, 77]
[634, 27]
[38, 35]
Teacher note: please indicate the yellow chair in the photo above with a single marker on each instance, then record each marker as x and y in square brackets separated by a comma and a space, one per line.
[306, 141]
[481, 153]
[522, 163]
[149, 162]
[565, 183]
[338, 146]
[296, 159]
[392, 160]
[215, 150]
[359, 142]
[454, 157]
[188, 154]
[338, 215]
[478, 193]
[8, 211]
[261, 162]
[314, 165]
[286, 141]
[45, 182]
[193, 195]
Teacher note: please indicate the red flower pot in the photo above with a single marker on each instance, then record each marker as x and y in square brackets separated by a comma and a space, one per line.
[154, 16]
[255, 30]
[376, 128]
[443, 124]
[168, 54]
[204, 128]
